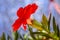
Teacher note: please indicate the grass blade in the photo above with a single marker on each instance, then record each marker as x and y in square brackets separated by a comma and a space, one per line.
[16, 35]
[54, 26]
[49, 22]
[32, 35]
[3, 36]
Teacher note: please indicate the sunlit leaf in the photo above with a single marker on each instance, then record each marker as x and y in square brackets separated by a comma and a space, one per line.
[45, 23]
[44, 20]
[25, 37]
[37, 25]
[41, 33]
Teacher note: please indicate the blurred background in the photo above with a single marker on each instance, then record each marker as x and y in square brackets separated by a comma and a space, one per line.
[8, 9]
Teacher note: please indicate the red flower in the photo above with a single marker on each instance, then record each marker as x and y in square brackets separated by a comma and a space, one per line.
[24, 14]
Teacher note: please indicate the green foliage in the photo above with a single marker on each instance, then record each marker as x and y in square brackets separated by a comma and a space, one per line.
[8, 38]
[43, 31]
[49, 22]
[44, 21]
[16, 35]
[37, 25]
[3, 37]
[45, 25]
[32, 35]
[54, 26]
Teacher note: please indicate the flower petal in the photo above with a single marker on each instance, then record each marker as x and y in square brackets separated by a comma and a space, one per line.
[24, 25]
[16, 25]
[19, 12]
[29, 21]
[33, 8]
[30, 11]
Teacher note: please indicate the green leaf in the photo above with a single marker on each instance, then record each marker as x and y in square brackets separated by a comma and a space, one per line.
[49, 35]
[8, 37]
[16, 35]
[58, 32]
[3, 36]
[44, 20]
[25, 37]
[20, 36]
[37, 25]
[54, 25]
[49, 22]
[41, 33]
[45, 23]
[32, 35]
